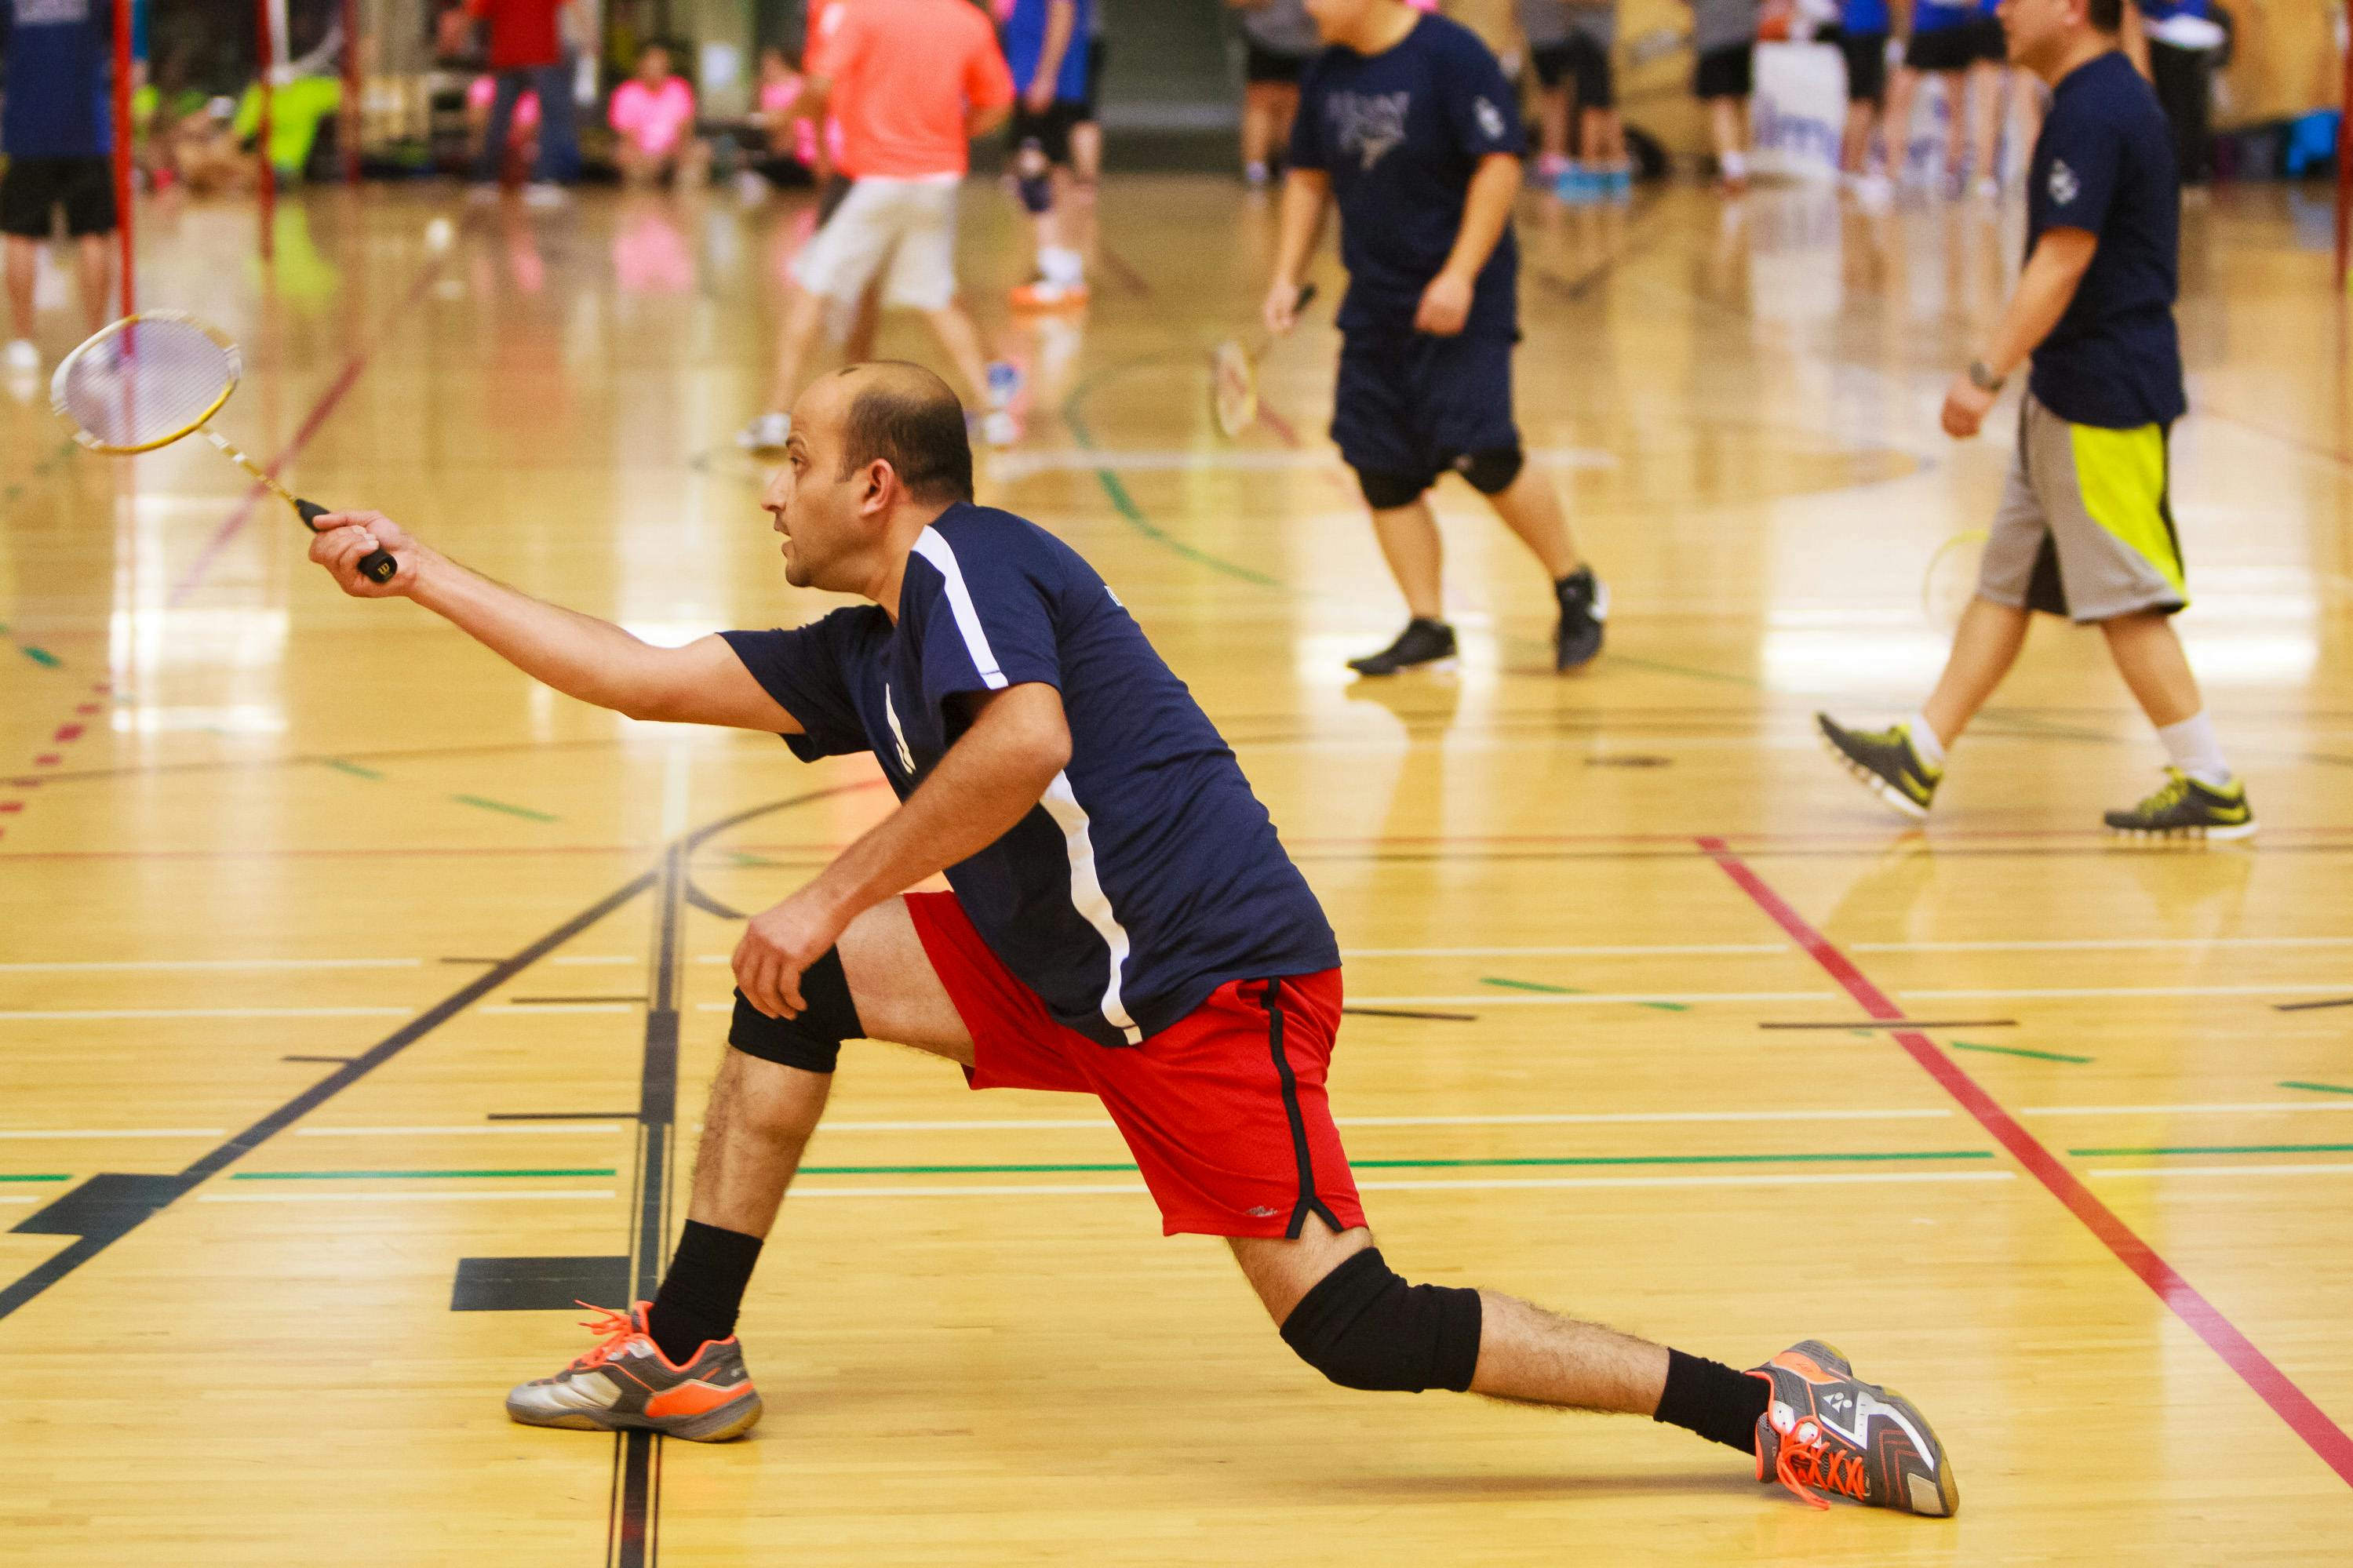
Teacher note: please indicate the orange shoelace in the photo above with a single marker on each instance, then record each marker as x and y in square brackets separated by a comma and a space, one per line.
[615, 1329]
[1807, 1459]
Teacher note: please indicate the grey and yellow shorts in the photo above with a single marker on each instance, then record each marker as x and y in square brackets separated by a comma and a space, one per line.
[2085, 530]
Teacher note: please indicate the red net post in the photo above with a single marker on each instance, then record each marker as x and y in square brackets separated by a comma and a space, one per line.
[266, 57]
[124, 186]
[2345, 177]
[353, 108]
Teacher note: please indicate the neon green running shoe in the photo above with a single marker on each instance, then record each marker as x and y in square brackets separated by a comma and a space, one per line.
[1885, 762]
[2183, 807]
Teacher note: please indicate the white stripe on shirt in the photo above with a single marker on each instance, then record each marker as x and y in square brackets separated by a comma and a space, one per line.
[1088, 897]
[934, 549]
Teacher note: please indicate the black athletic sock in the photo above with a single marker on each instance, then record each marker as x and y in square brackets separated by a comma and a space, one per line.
[704, 1290]
[1713, 1400]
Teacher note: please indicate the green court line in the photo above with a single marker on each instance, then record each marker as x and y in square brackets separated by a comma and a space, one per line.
[1570, 991]
[1547, 1162]
[2315, 1088]
[39, 656]
[2019, 1051]
[410, 1175]
[353, 769]
[36, 1178]
[487, 805]
[1125, 503]
[2223, 1149]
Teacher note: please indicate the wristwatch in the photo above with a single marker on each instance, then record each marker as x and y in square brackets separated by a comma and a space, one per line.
[1982, 377]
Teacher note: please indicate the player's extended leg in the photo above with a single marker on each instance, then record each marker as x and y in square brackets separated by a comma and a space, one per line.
[23, 259]
[94, 265]
[1895, 124]
[1346, 1313]
[1986, 98]
[1904, 763]
[674, 1365]
[1410, 540]
[1530, 507]
[2201, 797]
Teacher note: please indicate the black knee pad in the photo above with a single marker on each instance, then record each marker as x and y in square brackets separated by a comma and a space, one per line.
[811, 1042]
[1492, 473]
[1036, 194]
[1364, 1327]
[1387, 491]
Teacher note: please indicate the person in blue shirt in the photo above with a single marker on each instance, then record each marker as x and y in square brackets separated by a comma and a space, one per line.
[59, 136]
[1406, 119]
[1861, 35]
[2178, 43]
[1960, 41]
[2085, 528]
[1046, 45]
[1122, 921]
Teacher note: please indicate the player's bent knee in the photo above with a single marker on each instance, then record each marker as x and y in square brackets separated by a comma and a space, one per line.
[1364, 1327]
[812, 1041]
[1387, 491]
[1492, 473]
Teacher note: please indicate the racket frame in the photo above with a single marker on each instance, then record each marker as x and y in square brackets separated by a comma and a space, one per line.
[116, 328]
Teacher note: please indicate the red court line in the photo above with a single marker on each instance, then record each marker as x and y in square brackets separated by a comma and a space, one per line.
[2291, 1404]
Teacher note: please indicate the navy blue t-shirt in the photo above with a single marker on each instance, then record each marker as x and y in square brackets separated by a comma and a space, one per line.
[2105, 163]
[1149, 875]
[1400, 133]
[57, 77]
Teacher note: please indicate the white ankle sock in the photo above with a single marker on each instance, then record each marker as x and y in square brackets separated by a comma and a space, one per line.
[1922, 736]
[2196, 749]
[1060, 265]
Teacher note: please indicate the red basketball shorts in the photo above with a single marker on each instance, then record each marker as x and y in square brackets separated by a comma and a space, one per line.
[1224, 1110]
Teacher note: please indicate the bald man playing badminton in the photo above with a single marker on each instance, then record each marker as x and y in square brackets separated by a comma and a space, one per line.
[1123, 922]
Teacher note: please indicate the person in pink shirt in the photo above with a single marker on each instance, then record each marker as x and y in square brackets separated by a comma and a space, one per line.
[654, 114]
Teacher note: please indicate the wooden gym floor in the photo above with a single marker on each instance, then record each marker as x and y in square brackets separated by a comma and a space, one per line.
[332, 954]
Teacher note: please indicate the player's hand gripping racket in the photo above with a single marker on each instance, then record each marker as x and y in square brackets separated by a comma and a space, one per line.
[148, 379]
[1233, 377]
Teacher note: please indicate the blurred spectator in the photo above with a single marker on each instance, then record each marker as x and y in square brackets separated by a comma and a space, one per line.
[59, 139]
[654, 114]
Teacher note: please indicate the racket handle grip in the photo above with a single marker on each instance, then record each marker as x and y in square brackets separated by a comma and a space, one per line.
[377, 565]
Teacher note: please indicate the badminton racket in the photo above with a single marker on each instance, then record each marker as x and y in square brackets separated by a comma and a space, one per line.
[1233, 377]
[149, 380]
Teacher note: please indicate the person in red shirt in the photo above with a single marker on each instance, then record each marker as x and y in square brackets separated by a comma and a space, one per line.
[907, 118]
[527, 54]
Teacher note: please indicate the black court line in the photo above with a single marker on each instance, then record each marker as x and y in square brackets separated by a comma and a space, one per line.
[1408, 1013]
[339, 1061]
[467, 961]
[110, 1222]
[2311, 1006]
[1903, 1023]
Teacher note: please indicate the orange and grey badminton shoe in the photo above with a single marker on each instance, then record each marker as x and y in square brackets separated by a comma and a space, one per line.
[1828, 1431]
[626, 1382]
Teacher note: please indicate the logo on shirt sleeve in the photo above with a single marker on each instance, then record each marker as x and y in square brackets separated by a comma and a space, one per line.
[1491, 120]
[2064, 186]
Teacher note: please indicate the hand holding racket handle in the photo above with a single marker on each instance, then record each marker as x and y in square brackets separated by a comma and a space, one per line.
[376, 566]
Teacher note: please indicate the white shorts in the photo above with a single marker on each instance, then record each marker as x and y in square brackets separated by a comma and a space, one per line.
[907, 225]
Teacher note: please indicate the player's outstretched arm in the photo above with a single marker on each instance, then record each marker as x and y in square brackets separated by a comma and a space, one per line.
[2044, 291]
[580, 655]
[1019, 742]
[1305, 193]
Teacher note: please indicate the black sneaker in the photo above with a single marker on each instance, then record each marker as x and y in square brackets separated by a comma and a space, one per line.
[1885, 762]
[1584, 605]
[2183, 807]
[1421, 642]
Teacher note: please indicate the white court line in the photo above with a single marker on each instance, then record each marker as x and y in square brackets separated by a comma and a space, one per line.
[2343, 1167]
[2260, 1105]
[13, 1198]
[69, 1015]
[1992, 993]
[2102, 944]
[509, 1009]
[473, 1130]
[8, 1132]
[1841, 1178]
[192, 965]
[458, 1195]
[1618, 952]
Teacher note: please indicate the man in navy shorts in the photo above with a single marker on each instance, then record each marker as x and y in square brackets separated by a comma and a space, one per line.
[1407, 121]
[1123, 922]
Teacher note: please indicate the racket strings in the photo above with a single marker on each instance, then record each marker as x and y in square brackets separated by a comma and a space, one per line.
[146, 382]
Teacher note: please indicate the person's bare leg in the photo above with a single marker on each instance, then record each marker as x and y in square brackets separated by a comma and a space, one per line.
[94, 262]
[1285, 99]
[957, 335]
[1985, 645]
[865, 325]
[23, 261]
[1551, 120]
[1957, 122]
[804, 313]
[1854, 150]
[1895, 126]
[2150, 656]
[1986, 82]
[1531, 508]
[1258, 124]
[1526, 1353]
[1417, 556]
[1724, 125]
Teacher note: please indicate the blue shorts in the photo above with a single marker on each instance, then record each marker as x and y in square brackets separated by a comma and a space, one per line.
[1415, 408]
